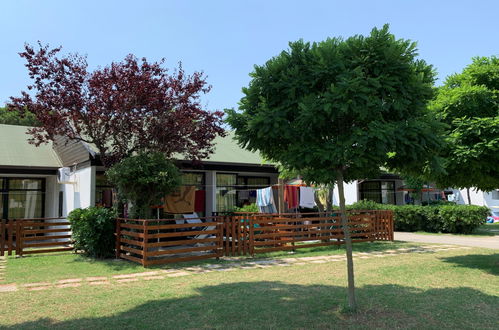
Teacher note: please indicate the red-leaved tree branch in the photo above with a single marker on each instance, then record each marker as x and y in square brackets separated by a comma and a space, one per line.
[123, 108]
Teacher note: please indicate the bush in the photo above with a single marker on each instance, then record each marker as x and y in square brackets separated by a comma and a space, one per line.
[93, 231]
[444, 218]
[247, 208]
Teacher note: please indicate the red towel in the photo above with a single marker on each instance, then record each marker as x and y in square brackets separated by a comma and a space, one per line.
[291, 196]
[199, 203]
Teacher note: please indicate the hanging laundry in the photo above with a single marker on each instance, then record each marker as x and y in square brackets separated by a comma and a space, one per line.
[291, 196]
[181, 201]
[199, 201]
[307, 197]
[265, 200]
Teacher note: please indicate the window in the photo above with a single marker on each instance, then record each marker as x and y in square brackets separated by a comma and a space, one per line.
[197, 179]
[378, 191]
[22, 198]
[495, 194]
[103, 191]
[247, 186]
[226, 192]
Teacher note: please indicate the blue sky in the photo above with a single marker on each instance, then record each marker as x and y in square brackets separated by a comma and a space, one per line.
[226, 38]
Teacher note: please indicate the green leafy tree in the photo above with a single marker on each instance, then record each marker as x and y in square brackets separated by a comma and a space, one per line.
[337, 110]
[468, 103]
[13, 117]
[143, 180]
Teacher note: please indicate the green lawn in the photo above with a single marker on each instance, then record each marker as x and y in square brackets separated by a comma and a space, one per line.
[52, 267]
[442, 290]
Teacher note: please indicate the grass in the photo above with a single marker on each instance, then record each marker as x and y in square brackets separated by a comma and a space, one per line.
[51, 267]
[488, 229]
[444, 290]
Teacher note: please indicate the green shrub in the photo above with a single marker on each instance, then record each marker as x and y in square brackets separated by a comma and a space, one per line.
[462, 218]
[439, 218]
[93, 231]
[247, 208]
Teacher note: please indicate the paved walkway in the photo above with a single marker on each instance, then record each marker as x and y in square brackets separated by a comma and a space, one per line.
[235, 263]
[491, 242]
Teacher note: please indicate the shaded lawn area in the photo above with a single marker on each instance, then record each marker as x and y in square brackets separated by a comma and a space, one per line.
[488, 229]
[444, 290]
[52, 267]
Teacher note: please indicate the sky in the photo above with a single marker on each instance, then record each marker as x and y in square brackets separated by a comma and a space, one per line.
[225, 39]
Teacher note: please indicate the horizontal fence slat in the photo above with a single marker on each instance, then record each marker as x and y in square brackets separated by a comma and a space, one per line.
[44, 224]
[39, 238]
[34, 245]
[183, 233]
[47, 250]
[183, 225]
[132, 233]
[129, 249]
[45, 231]
[181, 242]
[184, 250]
[132, 242]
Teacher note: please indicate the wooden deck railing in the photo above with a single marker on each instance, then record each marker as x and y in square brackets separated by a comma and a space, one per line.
[36, 235]
[153, 241]
[158, 241]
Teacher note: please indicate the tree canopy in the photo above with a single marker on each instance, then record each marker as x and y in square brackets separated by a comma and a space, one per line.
[13, 117]
[351, 105]
[468, 103]
[338, 110]
[121, 109]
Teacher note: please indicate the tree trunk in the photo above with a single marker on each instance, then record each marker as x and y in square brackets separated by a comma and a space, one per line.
[469, 197]
[352, 304]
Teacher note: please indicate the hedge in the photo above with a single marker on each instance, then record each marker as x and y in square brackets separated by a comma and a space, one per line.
[93, 231]
[449, 218]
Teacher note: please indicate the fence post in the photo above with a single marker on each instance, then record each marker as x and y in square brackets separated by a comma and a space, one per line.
[146, 239]
[10, 233]
[19, 233]
[118, 238]
[2, 237]
[251, 236]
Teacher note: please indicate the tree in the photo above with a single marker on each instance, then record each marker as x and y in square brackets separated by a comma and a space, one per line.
[337, 110]
[13, 117]
[469, 104]
[127, 107]
[143, 180]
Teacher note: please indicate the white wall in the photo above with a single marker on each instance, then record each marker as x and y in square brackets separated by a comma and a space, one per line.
[80, 193]
[478, 198]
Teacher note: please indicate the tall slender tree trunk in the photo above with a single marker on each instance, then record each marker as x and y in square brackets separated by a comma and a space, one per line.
[469, 196]
[352, 304]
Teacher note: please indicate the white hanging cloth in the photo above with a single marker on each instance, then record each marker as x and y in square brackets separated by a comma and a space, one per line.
[307, 197]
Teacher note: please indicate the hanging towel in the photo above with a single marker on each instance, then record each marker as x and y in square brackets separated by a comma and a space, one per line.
[181, 201]
[265, 200]
[307, 197]
[199, 201]
[291, 196]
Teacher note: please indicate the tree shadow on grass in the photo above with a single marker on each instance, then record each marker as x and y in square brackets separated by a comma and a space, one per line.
[485, 262]
[274, 304]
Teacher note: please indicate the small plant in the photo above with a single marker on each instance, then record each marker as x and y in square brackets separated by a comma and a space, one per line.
[93, 231]
[250, 208]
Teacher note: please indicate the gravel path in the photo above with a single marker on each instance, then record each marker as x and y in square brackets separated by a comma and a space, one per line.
[490, 242]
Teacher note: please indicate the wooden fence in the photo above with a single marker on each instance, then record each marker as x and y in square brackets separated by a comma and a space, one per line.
[150, 242]
[37, 235]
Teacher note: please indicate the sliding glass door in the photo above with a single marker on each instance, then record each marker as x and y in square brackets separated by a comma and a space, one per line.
[22, 198]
